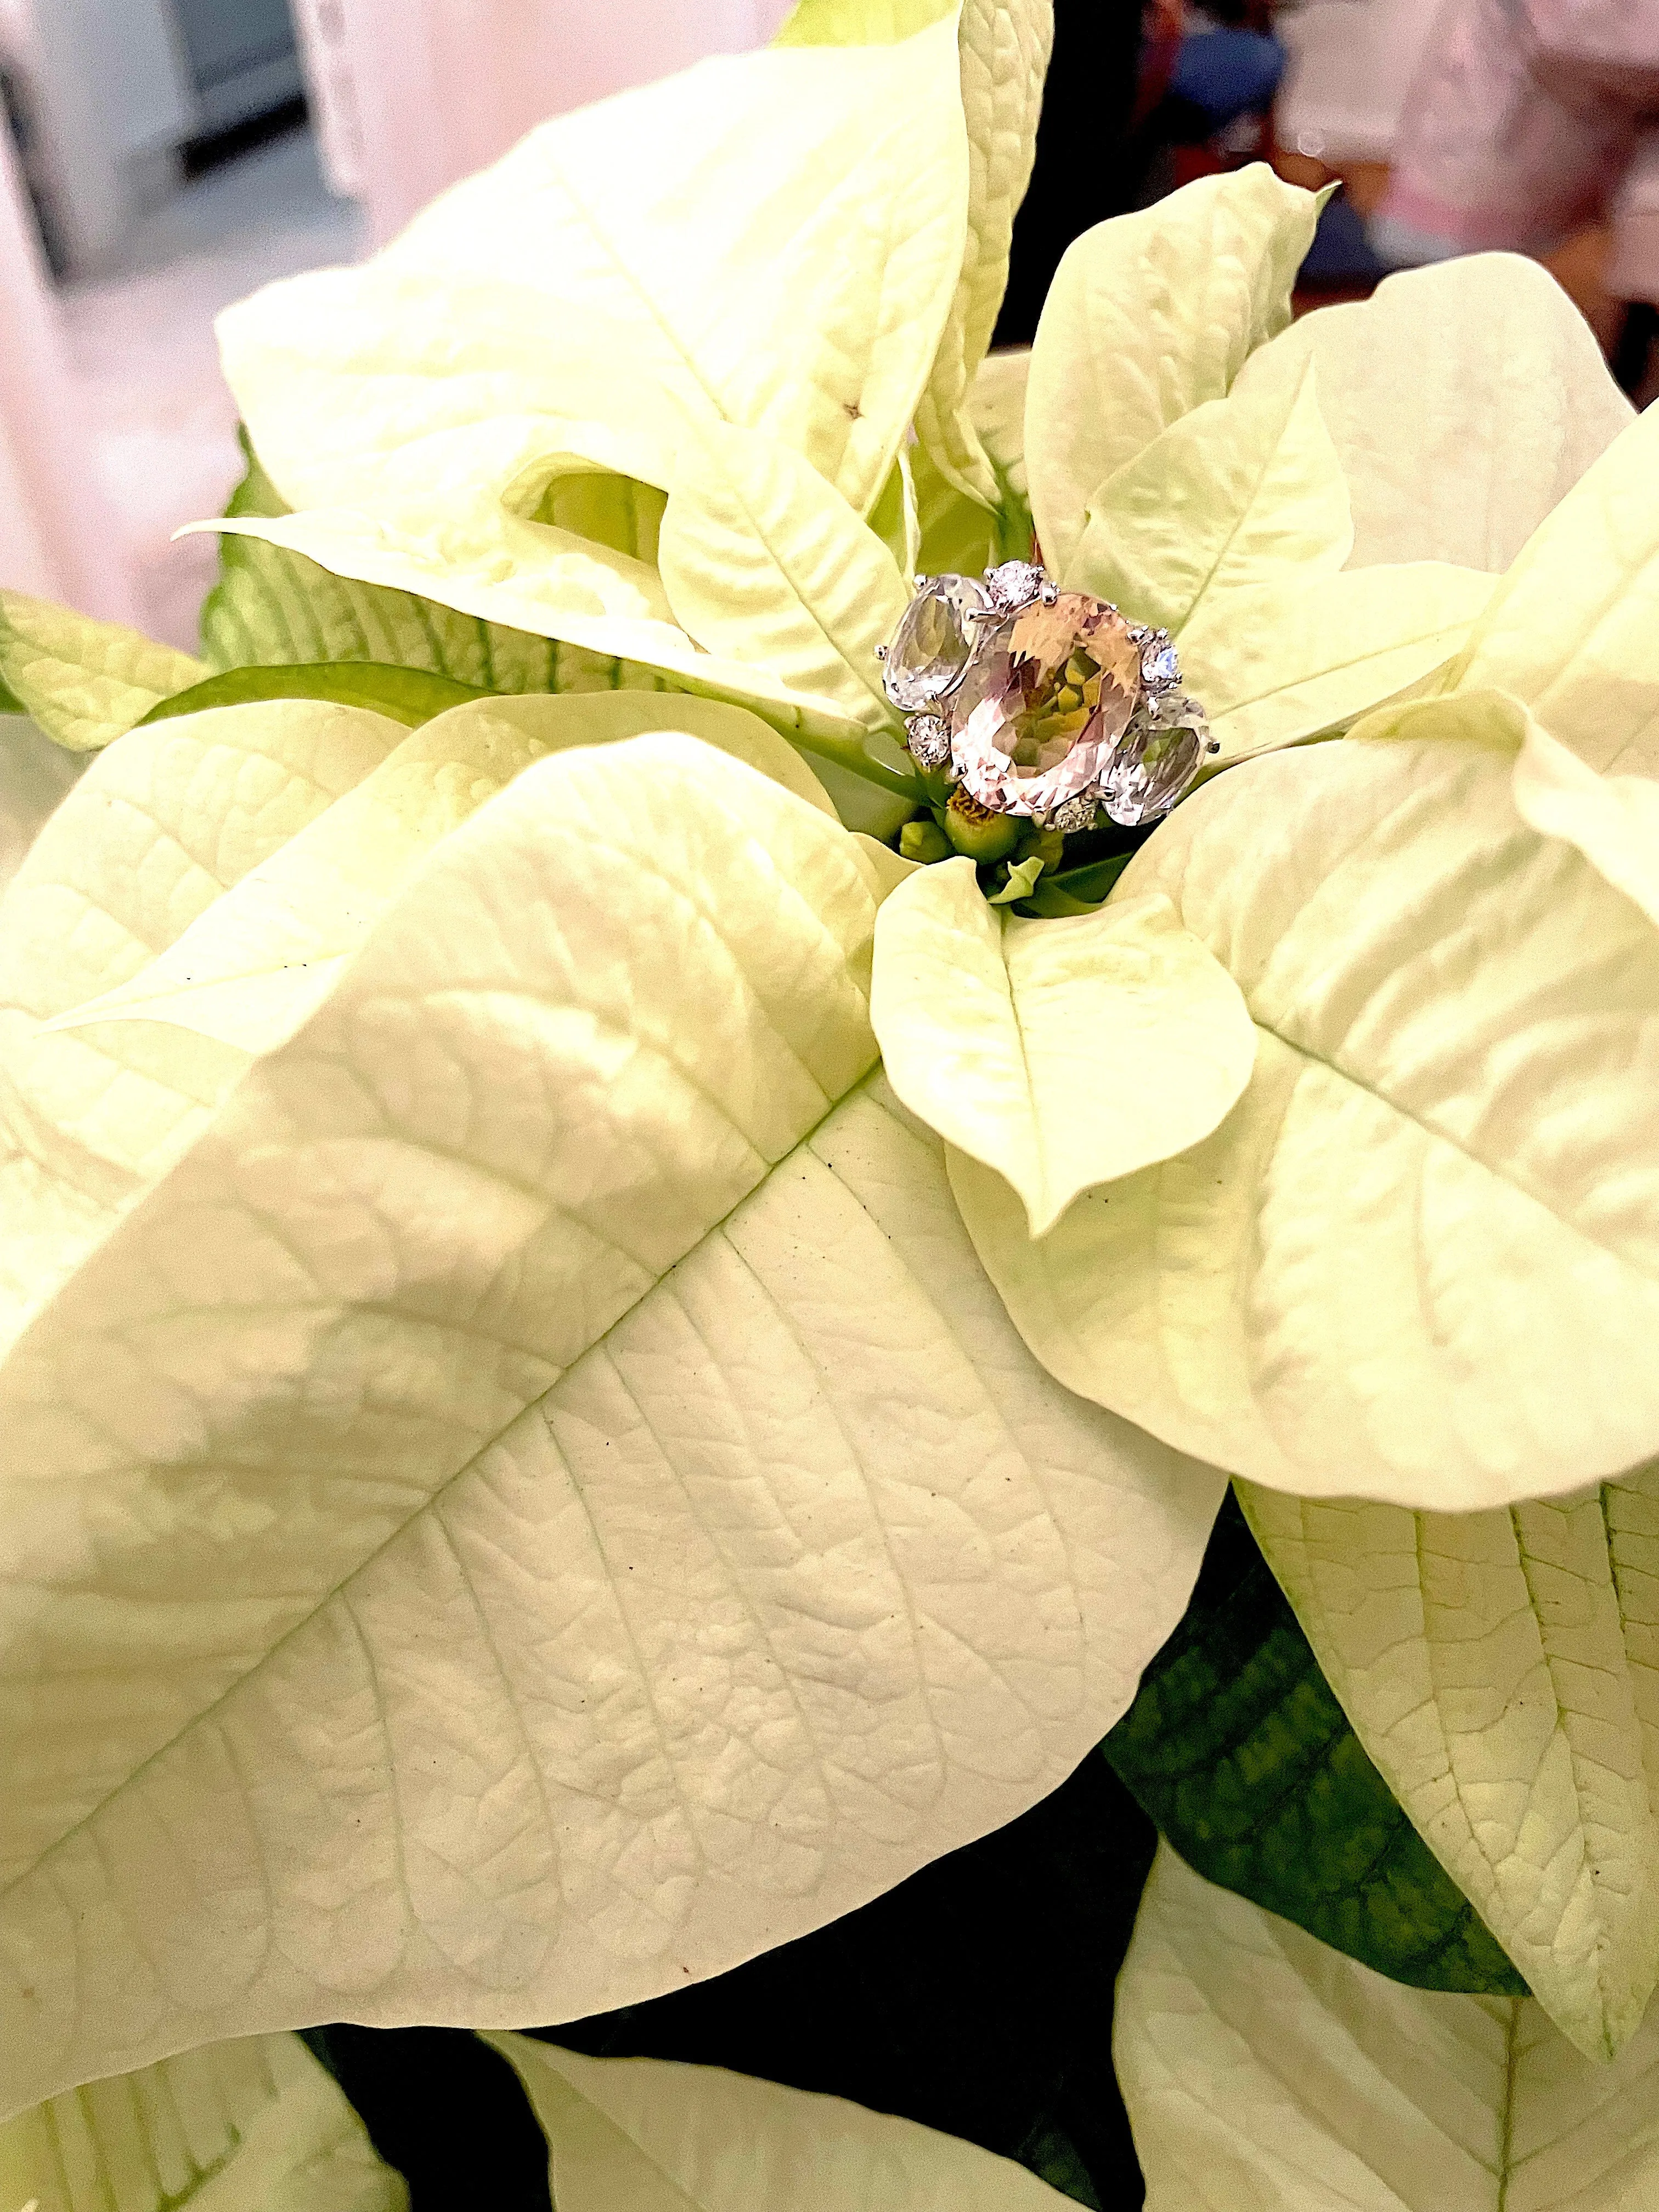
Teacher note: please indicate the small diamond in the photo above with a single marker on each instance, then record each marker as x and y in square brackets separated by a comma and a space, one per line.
[1075, 814]
[931, 647]
[929, 741]
[1161, 665]
[1015, 583]
[1156, 762]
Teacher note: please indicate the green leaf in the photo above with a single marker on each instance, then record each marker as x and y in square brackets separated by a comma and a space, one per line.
[1237, 1747]
[859, 22]
[233, 2127]
[1302, 657]
[1260, 2069]
[1420, 1260]
[1499, 1667]
[1060, 1053]
[775, 241]
[271, 607]
[409, 696]
[83, 681]
[1240, 493]
[957, 535]
[1465, 400]
[1150, 315]
[1573, 628]
[550, 1248]
[658, 2137]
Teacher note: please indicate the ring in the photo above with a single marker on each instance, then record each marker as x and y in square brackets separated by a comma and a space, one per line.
[1043, 703]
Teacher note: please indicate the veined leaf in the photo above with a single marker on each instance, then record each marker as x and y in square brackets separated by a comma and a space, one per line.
[1060, 1053]
[1237, 1746]
[1499, 1667]
[659, 2137]
[774, 244]
[1418, 1260]
[1465, 400]
[83, 681]
[1260, 2069]
[273, 607]
[1573, 628]
[1297, 658]
[235, 2127]
[764, 561]
[537, 1286]
[1150, 315]
[409, 696]
[1614, 820]
[1240, 492]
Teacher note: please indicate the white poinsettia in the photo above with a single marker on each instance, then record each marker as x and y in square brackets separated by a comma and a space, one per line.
[250, 2126]
[1260, 2069]
[518, 1488]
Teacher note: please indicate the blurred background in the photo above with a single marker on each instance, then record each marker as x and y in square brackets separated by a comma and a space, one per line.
[161, 158]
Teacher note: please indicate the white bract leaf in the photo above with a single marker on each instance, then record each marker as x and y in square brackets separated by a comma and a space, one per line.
[1005, 58]
[1500, 1669]
[1262, 2070]
[252, 2126]
[1573, 628]
[653, 2137]
[1465, 400]
[1614, 820]
[1060, 1053]
[1241, 492]
[1420, 1260]
[764, 561]
[1150, 315]
[496, 1521]
[1292, 660]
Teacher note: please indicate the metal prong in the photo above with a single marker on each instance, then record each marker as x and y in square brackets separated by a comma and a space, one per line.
[1214, 745]
[881, 653]
[1048, 594]
[921, 583]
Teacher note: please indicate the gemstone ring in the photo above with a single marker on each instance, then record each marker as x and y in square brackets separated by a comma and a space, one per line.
[1042, 702]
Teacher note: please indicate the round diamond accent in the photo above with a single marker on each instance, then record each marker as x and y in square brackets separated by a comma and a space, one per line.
[932, 643]
[1013, 583]
[929, 738]
[1162, 665]
[1050, 692]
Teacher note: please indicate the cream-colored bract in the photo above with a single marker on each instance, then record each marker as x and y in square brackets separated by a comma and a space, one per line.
[1060, 1053]
[503, 1298]
[649, 2135]
[1241, 492]
[1420, 1260]
[1261, 2069]
[249, 2126]
[1500, 1669]
[83, 681]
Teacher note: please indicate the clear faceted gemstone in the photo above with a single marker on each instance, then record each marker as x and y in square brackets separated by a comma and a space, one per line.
[931, 647]
[929, 738]
[1049, 694]
[1012, 583]
[1154, 766]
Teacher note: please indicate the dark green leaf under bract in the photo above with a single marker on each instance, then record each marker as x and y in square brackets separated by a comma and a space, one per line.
[1237, 1749]
[410, 696]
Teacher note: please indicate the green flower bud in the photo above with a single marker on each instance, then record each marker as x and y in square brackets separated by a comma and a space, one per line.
[923, 840]
[975, 830]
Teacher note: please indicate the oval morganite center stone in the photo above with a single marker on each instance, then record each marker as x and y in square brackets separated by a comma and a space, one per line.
[1039, 712]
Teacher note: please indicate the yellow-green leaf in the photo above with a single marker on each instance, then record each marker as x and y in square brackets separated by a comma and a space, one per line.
[1420, 1260]
[1060, 1053]
[1240, 493]
[83, 681]
[1500, 1669]
[1150, 315]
